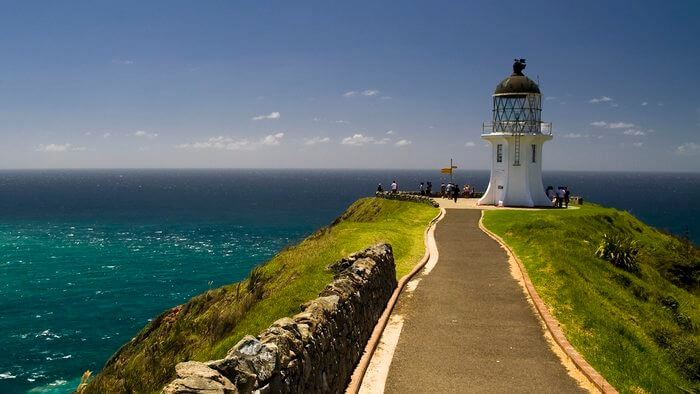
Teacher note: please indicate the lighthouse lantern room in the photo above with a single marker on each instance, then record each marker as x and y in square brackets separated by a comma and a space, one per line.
[516, 135]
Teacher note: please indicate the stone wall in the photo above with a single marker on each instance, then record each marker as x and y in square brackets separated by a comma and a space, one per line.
[408, 196]
[437, 194]
[314, 351]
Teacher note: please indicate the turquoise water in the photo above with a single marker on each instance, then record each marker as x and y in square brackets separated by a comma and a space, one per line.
[88, 257]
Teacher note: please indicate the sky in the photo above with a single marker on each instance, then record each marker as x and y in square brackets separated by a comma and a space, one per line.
[330, 84]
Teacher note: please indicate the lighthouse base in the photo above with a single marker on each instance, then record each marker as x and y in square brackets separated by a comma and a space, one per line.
[516, 181]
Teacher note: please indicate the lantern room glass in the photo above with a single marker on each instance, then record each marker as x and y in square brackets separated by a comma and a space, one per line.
[517, 113]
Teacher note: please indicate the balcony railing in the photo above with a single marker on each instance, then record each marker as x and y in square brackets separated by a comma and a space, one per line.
[517, 127]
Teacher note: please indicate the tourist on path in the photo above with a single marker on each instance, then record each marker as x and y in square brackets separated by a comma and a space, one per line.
[567, 195]
[394, 187]
[467, 191]
[560, 197]
[422, 189]
[443, 188]
[380, 189]
[455, 192]
[429, 189]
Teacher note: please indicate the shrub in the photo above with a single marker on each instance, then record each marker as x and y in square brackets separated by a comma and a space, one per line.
[621, 252]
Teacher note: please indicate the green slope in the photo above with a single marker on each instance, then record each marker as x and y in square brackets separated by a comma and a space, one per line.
[639, 330]
[211, 323]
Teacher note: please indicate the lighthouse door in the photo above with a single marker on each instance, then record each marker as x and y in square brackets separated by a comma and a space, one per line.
[500, 185]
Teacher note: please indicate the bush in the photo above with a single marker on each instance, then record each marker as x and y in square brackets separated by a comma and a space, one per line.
[621, 252]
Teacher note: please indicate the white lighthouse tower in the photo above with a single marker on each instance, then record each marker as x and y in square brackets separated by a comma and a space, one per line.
[516, 135]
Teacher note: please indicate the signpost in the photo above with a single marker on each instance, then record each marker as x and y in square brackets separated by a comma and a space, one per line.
[449, 170]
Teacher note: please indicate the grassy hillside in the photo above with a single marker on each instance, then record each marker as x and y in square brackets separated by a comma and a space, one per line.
[639, 329]
[211, 323]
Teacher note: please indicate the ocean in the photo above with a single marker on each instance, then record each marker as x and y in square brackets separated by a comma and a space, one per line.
[87, 257]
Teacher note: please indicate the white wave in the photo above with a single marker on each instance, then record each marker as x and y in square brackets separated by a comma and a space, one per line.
[48, 335]
[59, 357]
[7, 375]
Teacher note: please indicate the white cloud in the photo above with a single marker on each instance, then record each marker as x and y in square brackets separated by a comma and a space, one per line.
[403, 142]
[599, 124]
[341, 121]
[391, 132]
[141, 134]
[644, 104]
[317, 119]
[634, 132]
[271, 115]
[383, 141]
[316, 140]
[219, 142]
[637, 144]
[228, 143]
[572, 135]
[272, 139]
[54, 148]
[89, 133]
[368, 93]
[357, 140]
[688, 149]
[601, 99]
[469, 144]
[548, 98]
[60, 148]
[106, 135]
[620, 125]
[614, 105]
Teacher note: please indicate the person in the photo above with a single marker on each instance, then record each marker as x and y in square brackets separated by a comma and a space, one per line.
[550, 194]
[467, 191]
[567, 195]
[429, 189]
[448, 190]
[443, 188]
[455, 192]
[380, 189]
[422, 189]
[394, 187]
[560, 197]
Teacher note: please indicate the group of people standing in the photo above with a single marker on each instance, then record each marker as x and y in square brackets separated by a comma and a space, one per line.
[426, 189]
[560, 197]
[394, 187]
[447, 190]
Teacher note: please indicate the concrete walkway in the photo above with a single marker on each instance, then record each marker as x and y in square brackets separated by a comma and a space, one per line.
[468, 327]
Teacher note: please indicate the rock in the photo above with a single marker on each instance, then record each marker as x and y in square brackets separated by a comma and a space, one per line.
[196, 377]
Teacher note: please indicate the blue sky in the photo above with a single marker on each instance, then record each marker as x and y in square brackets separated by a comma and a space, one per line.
[322, 84]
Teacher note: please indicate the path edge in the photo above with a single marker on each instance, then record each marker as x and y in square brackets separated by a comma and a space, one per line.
[361, 368]
[550, 322]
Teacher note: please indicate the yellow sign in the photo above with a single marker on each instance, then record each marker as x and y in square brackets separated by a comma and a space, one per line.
[446, 171]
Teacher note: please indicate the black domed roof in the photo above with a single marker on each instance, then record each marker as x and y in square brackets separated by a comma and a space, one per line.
[517, 84]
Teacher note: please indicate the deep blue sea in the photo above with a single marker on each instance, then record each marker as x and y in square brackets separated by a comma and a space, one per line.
[87, 257]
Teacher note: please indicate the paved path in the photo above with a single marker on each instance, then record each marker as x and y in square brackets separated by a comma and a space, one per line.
[468, 326]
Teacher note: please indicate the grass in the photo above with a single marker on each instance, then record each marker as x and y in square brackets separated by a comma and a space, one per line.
[210, 324]
[638, 329]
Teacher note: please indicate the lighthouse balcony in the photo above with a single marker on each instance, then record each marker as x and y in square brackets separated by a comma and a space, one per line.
[517, 127]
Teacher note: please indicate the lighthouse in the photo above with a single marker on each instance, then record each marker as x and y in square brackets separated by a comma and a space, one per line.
[516, 134]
